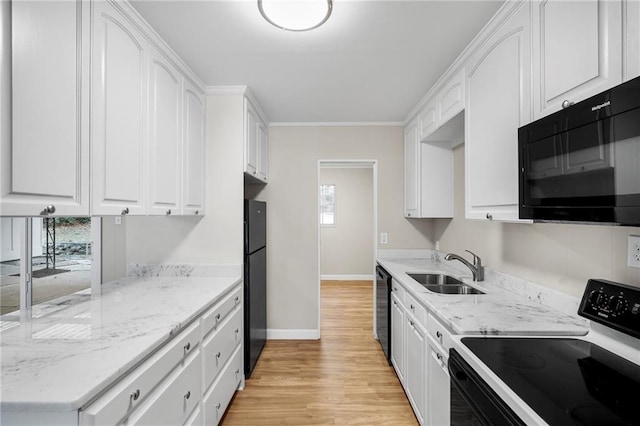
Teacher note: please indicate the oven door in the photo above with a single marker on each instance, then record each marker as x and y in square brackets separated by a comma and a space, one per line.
[473, 402]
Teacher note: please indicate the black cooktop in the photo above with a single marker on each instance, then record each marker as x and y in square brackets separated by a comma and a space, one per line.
[565, 381]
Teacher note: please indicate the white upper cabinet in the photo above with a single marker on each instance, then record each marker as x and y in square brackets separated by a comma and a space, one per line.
[443, 106]
[165, 136]
[255, 143]
[577, 51]
[45, 142]
[498, 102]
[450, 99]
[631, 42]
[119, 114]
[411, 171]
[193, 174]
[429, 119]
[428, 177]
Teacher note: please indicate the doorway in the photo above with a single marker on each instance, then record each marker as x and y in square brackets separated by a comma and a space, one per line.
[347, 223]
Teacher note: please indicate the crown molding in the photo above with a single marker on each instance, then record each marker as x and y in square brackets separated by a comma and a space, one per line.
[338, 124]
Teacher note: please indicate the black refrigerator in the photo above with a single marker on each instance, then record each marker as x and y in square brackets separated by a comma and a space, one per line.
[255, 282]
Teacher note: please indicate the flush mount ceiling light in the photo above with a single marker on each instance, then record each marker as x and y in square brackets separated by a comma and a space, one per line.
[296, 15]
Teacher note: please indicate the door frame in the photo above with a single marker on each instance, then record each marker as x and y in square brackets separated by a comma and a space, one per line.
[348, 164]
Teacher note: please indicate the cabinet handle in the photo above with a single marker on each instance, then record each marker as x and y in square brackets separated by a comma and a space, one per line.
[218, 317]
[236, 299]
[439, 357]
[218, 405]
[237, 330]
[187, 395]
[412, 324]
[237, 371]
[134, 395]
[409, 214]
[125, 211]
[218, 355]
[395, 303]
[439, 335]
[413, 307]
[187, 347]
[489, 216]
[196, 212]
[255, 172]
[395, 289]
[50, 209]
[566, 103]
[168, 212]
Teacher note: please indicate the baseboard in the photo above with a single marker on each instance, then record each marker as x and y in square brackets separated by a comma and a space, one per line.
[347, 277]
[288, 334]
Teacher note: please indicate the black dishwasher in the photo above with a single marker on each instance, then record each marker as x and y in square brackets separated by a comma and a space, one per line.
[383, 316]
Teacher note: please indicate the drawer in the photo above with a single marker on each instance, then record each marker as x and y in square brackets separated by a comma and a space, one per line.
[216, 315]
[134, 389]
[175, 400]
[398, 290]
[217, 399]
[439, 333]
[416, 309]
[218, 347]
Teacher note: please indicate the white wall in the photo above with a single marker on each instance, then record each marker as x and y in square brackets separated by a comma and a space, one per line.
[217, 237]
[559, 256]
[292, 194]
[347, 246]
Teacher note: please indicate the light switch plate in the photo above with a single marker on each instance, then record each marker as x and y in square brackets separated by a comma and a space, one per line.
[633, 251]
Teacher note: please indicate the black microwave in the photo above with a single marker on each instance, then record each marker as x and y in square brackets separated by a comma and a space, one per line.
[582, 164]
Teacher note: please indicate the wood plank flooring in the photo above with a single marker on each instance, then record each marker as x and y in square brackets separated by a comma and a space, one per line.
[341, 379]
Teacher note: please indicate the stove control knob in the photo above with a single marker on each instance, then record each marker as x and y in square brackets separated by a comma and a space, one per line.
[596, 298]
[618, 305]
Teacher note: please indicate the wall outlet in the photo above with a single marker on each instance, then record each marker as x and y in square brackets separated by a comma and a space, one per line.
[384, 238]
[633, 258]
[118, 220]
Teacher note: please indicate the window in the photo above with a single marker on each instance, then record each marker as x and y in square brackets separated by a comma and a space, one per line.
[328, 205]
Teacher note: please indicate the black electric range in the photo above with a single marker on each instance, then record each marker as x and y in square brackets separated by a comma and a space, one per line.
[565, 381]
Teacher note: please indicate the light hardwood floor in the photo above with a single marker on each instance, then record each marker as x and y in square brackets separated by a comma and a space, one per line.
[341, 379]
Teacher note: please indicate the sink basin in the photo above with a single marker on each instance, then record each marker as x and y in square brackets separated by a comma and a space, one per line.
[435, 279]
[453, 289]
[444, 284]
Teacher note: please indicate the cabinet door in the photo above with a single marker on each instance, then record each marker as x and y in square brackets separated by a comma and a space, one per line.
[411, 171]
[577, 51]
[193, 192]
[45, 144]
[251, 139]
[428, 119]
[498, 102]
[631, 42]
[438, 387]
[165, 136]
[416, 372]
[119, 74]
[263, 137]
[451, 99]
[397, 337]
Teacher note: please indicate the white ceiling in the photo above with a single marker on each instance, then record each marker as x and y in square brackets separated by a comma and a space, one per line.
[371, 62]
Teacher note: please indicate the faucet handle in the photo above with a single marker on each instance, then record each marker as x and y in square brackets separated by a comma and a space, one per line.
[477, 261]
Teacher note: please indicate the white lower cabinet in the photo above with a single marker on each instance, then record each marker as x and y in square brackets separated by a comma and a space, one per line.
[438, 387]
[415, 369]
[190, 380]
[397, 336]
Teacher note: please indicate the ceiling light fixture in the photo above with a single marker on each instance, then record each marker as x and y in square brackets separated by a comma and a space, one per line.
[296, 15]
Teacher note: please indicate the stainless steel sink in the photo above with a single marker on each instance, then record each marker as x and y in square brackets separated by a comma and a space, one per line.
[435, 279]
[444, 284]
[453, 289]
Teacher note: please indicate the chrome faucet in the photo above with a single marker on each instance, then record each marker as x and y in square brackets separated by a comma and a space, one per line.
[477, 270]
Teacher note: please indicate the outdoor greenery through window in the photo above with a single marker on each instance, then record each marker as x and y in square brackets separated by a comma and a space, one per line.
[328, 204]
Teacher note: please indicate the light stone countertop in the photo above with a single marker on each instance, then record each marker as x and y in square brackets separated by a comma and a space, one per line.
[497, 312]
[69, 355]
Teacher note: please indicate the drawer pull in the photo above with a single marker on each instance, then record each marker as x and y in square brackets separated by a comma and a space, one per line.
[395, 289]
[236, 299]
[187, 347]
[237, 330]
[218, 355]
[413, 307]
[134, 395]
[218, 317]
[187, 395]
[439, 335]
[237, 371]
[412, 323]
[218, 405]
